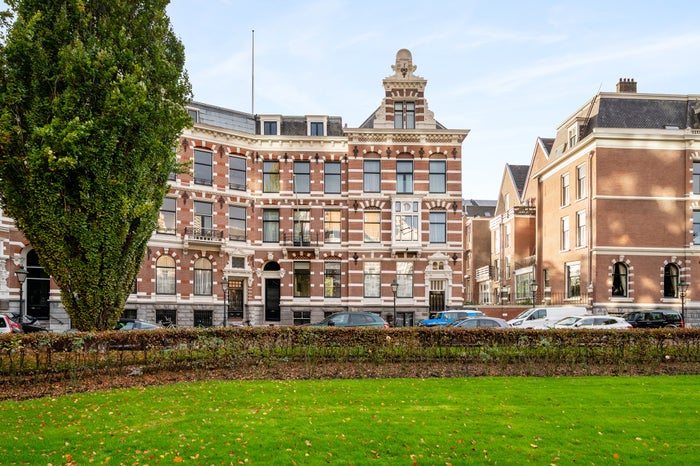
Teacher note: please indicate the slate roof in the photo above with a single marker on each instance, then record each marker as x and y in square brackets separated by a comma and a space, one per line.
[478, 208]
[548, 143]
[220, 117]
[296, 126]
[643, 113]
[519, 174]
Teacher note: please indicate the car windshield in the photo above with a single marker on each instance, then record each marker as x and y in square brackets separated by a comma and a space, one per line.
[524, 314]
[568, 321]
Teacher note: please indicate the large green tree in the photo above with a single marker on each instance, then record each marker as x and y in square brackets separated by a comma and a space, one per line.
[92, 101]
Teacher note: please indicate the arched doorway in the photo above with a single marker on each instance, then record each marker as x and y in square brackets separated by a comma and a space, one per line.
[38, 288]
[272, 293]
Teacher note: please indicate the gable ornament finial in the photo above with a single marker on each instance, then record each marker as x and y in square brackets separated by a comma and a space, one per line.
[404, 63]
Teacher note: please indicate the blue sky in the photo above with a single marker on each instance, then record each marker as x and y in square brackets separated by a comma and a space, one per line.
[508, 71]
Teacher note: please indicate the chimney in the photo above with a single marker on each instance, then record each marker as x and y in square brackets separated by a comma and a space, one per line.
[627, 85]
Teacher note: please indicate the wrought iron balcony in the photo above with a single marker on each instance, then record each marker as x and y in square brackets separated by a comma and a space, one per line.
[207, 235]
[301, 241]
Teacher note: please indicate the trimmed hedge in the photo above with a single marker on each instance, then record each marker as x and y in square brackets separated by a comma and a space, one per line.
[80, 354]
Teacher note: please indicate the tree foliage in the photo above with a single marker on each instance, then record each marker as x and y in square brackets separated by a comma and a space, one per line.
[92, 96]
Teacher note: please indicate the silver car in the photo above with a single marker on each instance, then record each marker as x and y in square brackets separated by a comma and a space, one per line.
[599, 322]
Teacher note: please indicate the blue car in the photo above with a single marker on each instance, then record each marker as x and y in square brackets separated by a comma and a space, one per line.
[445, 317]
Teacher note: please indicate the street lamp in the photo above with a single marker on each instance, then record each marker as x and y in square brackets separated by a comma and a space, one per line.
[224, 286]
[683, 290]
[21, 277]
[394, 289]
[533, 290]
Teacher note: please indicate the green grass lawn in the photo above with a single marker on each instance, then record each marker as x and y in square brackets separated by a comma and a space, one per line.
[585, 420]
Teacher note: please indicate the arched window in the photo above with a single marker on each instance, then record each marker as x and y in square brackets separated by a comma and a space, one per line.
[271, 267]
[619, 287]
[671, 281]
[202, 277]
[165, 275]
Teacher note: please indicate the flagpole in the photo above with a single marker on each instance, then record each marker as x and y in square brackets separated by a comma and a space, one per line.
[252, 74]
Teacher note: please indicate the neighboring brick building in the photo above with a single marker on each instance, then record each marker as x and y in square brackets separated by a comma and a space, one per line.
[298, 217]
[618, 204]
[513, 240]
[477, 249]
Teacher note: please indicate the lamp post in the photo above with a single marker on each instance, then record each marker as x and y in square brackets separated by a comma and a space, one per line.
[533, 290]
[683, 288]
[224, 286]
[21, 277]
[394, 289]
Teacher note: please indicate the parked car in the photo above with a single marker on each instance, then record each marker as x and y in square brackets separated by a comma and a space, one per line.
[135, 324]
[656, 318]
[545, 317]
[445, 317]
[480, 322]
[353, 319]
[8, 326]
[600, 322]
[29, 324]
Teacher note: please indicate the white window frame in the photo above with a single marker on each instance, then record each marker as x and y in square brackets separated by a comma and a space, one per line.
[572, 135]
[580, 228]
[565, 190]
[565, 234]
[407, 207]
[270, 118]
[316, 119]
[567, 277]
[581, 181]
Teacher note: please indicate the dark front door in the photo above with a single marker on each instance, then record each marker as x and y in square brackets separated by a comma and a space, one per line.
[37, 286]
[272, 299]
[437, 302]
[235, 299]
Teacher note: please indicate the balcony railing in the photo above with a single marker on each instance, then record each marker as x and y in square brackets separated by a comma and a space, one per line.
[548, 298]
[302, 241]
[204, 234]
[561, 298]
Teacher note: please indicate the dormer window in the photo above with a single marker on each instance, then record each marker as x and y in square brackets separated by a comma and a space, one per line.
[572, 135]
[404, 115]
[270, 128]
[316, 128]
[194, 114]
[270, 125]
[316, 125]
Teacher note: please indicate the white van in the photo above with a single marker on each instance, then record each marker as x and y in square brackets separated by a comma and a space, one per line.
[545, 317]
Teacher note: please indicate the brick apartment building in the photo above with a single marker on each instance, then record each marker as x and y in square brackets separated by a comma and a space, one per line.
[285, 219]
[477, 250]
[616, 199]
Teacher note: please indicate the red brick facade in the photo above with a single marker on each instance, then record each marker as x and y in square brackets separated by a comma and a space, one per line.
[300, 217]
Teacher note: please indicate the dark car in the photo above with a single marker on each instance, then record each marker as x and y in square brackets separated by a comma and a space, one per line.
[482, 322]
[352, 319]
[29, 324]
[654, 319]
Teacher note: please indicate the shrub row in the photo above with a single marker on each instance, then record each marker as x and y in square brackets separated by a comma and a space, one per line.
[77, 354]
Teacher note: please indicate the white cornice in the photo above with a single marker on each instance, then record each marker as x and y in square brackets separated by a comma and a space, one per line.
[259, 142]
[392, 136]
[618, 250]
